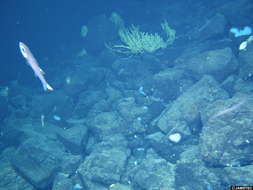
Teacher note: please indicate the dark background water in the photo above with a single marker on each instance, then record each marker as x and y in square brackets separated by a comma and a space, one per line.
[48, 27]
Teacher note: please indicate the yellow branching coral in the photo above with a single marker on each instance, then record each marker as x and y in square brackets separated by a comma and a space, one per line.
[138, 42]
[170, 33]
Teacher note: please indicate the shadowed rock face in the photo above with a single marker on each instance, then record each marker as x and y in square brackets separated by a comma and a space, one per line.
[38, 160]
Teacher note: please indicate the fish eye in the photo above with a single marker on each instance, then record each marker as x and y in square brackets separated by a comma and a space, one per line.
[22, 49]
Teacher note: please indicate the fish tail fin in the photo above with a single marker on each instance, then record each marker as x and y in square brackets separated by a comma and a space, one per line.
[46, 87]
[49, 87]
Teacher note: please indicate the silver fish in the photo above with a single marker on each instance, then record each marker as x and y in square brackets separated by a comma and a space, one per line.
[32, 62]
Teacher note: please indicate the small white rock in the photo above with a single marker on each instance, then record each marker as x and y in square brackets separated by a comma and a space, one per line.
[175, 137]
[243, 45]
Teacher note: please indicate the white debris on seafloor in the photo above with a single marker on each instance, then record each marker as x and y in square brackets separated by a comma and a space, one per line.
[244, 44]
[175, 137]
